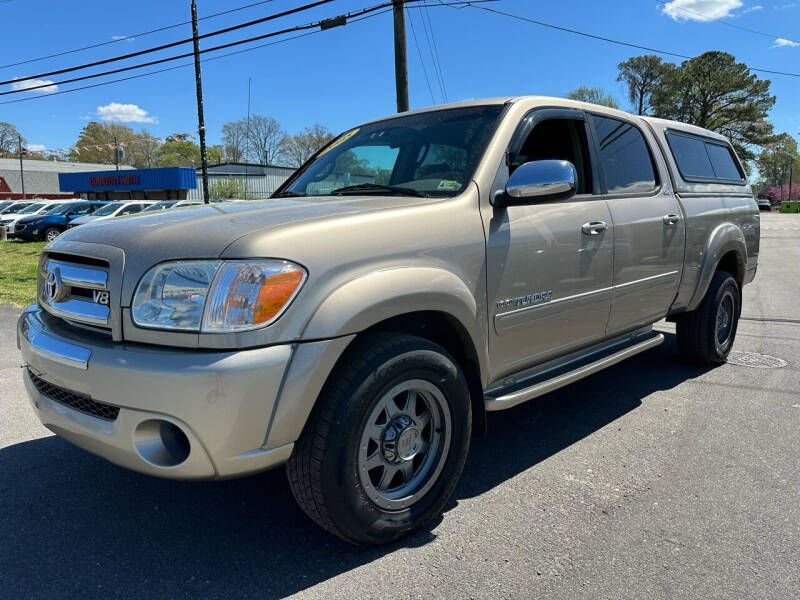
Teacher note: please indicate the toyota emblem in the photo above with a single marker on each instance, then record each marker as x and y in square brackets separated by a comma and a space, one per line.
[52, 285]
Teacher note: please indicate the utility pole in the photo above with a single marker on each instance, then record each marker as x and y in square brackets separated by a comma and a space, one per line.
[400, 56]
[116, 153]
[21, 171]
[201, 126]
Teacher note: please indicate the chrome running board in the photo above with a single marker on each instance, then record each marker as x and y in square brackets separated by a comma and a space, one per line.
[548, 385]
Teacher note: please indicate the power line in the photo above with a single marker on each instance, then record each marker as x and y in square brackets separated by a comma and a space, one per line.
[722, 22]
[433, 55]
[613, 41]
[458, 4]
[173, 44]
[132, 35]
[179, 56]
[421, 61]
[436, 53]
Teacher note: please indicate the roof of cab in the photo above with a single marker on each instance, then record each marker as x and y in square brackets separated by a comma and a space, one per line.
[567, 103]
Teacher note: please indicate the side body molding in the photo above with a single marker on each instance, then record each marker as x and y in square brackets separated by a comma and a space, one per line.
[725, 238]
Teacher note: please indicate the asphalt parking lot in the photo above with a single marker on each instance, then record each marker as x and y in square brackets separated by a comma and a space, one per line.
[653, 479]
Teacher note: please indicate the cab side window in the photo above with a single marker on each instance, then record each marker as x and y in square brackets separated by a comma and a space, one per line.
[625, 155]
[558, 139]
[83, 209]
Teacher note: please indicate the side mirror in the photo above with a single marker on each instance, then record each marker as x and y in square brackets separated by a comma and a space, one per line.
[538, 181]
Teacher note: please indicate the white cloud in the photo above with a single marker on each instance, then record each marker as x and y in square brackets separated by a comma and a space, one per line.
[752, 9]
[783, 43]
[125, 113]
[35, 147]
[49, 85]
[700, 10]
[116, 38]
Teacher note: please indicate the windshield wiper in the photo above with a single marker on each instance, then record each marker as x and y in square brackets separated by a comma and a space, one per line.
[288, 194]
[377, 187]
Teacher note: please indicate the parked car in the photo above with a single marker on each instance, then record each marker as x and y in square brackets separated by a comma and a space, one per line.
[113, 209]
[5, 204]
[15, 206]
[764, 204]
[165, 204]
[51, 222]
[9, 219]
[424, 269]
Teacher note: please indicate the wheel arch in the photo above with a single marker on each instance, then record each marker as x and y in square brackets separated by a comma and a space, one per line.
[725, 250]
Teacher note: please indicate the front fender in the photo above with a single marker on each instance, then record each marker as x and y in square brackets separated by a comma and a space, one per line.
[363, 302]
[725, 238]
[358, 305]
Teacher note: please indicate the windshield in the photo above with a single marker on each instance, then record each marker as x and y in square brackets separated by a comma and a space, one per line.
[16, 208]
[108, 209]
[61, 209]
[31, 208]
[4, 205]
[161, 205]
[432, 154]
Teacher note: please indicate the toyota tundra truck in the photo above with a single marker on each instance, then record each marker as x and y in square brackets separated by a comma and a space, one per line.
[417, 273]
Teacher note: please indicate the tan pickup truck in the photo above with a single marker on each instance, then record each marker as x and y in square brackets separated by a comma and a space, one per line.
[418, 272]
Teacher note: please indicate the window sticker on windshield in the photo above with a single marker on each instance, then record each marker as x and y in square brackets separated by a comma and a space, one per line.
[342, 139]
[448, 184]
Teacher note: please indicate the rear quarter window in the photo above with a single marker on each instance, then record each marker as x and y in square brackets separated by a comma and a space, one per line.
[704, 159]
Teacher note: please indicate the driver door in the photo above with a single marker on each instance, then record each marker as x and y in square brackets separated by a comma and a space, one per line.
[549, 275]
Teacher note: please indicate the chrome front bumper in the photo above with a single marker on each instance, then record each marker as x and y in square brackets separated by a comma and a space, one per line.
[222, 402]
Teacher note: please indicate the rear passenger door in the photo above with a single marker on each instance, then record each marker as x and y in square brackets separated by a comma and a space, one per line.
[649, 232]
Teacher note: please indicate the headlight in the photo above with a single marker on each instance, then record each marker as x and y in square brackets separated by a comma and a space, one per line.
[215, 296]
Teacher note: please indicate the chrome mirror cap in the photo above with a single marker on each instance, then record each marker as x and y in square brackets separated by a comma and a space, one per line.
[541, 180]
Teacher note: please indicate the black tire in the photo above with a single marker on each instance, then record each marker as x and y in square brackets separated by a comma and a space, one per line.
[324, 469]
[701, 339]
[50, 234]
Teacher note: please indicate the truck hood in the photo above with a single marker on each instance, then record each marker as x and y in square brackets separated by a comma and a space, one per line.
[205, 231]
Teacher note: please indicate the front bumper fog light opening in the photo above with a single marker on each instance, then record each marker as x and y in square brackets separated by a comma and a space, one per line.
[161, 443]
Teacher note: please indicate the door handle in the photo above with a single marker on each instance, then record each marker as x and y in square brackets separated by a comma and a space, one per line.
[671, 219]
[594, 227]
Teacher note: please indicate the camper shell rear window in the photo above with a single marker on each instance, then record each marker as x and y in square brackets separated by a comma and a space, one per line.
[704, 159]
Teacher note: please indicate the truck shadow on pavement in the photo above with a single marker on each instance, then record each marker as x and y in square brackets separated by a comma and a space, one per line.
[72, 524]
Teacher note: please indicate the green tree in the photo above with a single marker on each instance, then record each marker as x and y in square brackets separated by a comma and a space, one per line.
[715, 92]
[776, 159]
[596, 95]
[641, 75]
[185, 154]
[97, 137]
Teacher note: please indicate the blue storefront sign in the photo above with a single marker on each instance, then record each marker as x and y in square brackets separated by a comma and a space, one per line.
[167, 178]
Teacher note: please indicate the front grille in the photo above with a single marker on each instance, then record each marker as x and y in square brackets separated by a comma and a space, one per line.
[69, 289]
[76, 400]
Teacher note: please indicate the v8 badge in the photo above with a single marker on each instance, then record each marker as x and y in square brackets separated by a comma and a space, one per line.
[100, 297]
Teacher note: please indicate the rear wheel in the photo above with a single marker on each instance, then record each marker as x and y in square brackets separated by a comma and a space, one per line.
[385, 445]
[50, 234]
[706, 335]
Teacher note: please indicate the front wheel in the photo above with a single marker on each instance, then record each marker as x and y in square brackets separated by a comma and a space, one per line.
[50, 234]
[385, 445]
[706, 334]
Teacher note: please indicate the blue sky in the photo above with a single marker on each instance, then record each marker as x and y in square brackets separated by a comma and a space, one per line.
[343, 76]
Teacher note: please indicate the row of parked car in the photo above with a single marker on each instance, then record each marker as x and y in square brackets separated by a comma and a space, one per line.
[41, 219]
